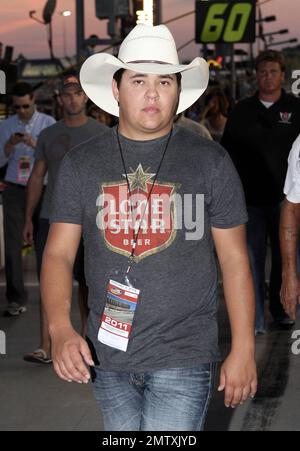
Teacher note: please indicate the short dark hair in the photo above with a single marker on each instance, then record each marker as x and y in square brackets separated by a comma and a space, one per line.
[222, 100]
[271, 56]
[22, 89]
[119, 74]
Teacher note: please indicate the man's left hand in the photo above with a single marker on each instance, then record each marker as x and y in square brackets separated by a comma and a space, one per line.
[290, 294]
[29, 140]
[238, 378]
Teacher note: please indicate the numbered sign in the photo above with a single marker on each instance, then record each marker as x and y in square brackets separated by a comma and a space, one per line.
[226, 21]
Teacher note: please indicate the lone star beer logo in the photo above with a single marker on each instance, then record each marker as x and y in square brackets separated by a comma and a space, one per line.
[122, 213]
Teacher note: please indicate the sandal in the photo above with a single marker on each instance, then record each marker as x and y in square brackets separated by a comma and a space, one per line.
[37, 356]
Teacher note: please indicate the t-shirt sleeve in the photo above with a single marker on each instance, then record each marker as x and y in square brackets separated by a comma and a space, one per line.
[40, 149]
[66, 205]
[227, 207]
[292, 181]
[50, 121]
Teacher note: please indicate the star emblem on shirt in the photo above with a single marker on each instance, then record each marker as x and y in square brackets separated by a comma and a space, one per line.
[139, 178]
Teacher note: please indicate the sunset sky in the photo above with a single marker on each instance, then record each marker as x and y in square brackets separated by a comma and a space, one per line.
[29, 37]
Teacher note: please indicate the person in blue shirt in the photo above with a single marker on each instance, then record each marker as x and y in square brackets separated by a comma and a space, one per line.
[18, 138]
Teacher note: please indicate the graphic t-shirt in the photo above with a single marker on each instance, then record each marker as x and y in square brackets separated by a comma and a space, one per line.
[53, 144]
[197, 188]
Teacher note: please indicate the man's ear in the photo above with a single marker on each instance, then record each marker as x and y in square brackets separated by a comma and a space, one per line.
[115, 90]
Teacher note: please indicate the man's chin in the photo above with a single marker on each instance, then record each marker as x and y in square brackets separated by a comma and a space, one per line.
[153, 123]
[270, 90]
[151, 128]
[74, 113]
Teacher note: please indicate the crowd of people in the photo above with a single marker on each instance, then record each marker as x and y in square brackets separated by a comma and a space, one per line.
[134, 124]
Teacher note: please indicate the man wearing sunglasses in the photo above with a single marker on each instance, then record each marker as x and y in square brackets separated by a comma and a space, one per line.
[18, 137]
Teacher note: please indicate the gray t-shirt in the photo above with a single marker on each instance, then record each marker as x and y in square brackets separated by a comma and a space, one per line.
[53, 144]
[175, 323]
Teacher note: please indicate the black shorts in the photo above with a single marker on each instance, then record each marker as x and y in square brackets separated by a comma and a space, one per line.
[40, 243]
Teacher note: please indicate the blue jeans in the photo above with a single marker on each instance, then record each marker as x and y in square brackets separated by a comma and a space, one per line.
[263, 225]
[174, 399]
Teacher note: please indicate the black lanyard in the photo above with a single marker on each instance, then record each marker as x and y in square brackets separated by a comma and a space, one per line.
[136, 235]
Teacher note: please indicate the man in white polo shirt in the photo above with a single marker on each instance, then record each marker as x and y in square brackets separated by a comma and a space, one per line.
[289, 231]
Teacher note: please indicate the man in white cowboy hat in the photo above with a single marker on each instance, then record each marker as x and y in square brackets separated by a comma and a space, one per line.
[152, 200]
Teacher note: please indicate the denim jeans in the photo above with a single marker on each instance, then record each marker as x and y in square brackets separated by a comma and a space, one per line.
[263, 225]
[174, 399]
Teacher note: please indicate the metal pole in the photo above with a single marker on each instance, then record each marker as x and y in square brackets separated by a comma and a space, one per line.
[158, 12]
[233, 74]
[50, 40]
[64, 36]
[79, 30]
[251, 57]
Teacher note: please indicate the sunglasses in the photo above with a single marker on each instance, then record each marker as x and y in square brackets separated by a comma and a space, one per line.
[18, 107]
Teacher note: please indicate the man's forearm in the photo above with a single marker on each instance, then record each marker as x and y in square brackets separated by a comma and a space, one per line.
[34, 193]
[8, 148]
[56, 291]
[57, 275]
[240, 302]
[289, 229]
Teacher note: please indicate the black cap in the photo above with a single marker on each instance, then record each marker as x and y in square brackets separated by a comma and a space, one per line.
[69, 80]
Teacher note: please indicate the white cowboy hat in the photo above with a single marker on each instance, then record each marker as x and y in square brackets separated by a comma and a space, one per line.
[148, 50]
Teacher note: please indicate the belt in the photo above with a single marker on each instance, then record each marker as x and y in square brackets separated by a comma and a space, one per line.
[15, 185]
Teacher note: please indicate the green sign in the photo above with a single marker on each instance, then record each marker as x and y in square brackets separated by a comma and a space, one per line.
[226, 21]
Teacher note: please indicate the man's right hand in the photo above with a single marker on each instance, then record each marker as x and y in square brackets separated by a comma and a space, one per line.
[9, 145]
[16, 139]
[290, 294]
[71, 356]
[28, 232]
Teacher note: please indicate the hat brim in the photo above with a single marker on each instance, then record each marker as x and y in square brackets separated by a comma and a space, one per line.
[97, 72]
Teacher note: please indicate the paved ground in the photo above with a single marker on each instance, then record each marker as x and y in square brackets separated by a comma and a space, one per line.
[33, 398]
[277, 404]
